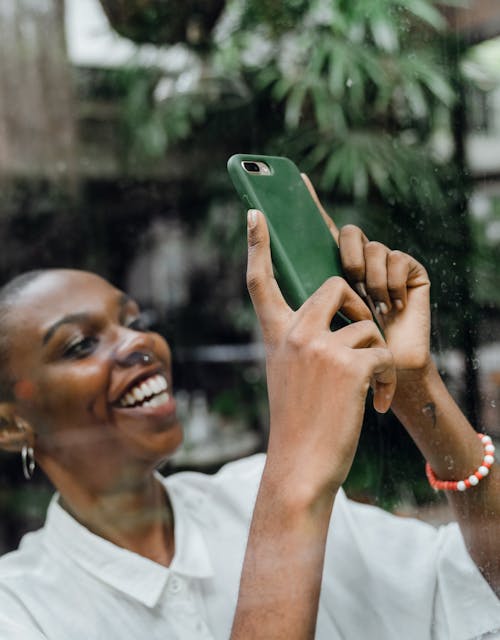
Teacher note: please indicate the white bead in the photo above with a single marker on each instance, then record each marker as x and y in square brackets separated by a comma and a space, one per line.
[489, 448]
[483, 470]
[486, 440]
[489, 459]
[473, 480]
[461, 486]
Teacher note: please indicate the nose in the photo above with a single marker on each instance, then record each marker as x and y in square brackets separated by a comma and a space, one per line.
[134, 349]
[136, 357]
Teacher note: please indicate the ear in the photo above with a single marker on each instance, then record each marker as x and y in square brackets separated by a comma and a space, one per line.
[15, 432]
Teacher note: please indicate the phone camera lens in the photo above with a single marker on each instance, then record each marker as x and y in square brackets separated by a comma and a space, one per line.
[252, 167]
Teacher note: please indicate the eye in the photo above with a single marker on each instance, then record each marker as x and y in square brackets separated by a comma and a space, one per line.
[80, 348]
[142, 322]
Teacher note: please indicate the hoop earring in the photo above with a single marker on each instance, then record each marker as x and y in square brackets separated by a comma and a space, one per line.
[28, 460]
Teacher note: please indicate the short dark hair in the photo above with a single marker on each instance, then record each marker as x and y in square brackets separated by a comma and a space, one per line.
[8, 294]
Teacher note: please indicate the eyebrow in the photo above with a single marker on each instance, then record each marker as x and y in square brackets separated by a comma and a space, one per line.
[78, 318]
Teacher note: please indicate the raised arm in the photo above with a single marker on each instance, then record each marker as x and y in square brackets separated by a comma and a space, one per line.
[399, 287]
[317, 385]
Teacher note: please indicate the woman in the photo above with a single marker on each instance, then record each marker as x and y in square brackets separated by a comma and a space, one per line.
[126, 554]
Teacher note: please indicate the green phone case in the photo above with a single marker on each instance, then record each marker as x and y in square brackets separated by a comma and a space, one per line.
[303, 250]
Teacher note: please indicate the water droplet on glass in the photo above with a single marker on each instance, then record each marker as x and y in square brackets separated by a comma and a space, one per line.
[475, 363]
[493, 404]
[349, 82]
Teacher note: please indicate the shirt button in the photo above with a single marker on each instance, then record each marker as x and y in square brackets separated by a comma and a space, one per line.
[202, 630]
[174, 585]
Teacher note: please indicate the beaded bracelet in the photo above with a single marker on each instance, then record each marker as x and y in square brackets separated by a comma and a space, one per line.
[472, 480]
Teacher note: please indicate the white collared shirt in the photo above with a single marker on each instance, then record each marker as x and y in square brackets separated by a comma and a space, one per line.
[385, 578]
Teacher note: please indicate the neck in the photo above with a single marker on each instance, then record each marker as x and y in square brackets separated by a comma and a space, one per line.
[136, 516]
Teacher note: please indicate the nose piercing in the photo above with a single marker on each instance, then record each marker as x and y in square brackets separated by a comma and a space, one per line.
[137, 357]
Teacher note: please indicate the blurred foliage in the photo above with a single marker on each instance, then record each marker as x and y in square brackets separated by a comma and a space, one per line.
[354, 87]
[151, 130]
[356, 94]
[486, 234]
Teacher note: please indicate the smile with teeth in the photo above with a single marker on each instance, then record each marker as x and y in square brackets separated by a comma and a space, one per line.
[148, 393]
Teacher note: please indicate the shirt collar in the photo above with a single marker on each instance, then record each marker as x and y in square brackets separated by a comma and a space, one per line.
[191, 556]
[129, 572]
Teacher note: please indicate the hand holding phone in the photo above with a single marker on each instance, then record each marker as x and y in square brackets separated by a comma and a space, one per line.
[303, 249]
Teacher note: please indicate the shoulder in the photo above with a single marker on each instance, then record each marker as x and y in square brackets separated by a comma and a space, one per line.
[20, 570]
[413, 562]
[25, 560]
[246, 471]
[14, 630]
[393, 541]
[234, 477]
[233, 487]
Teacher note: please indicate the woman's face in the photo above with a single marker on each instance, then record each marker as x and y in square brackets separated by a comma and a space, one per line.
[81, 362]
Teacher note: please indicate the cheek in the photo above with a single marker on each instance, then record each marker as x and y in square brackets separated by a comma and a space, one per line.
[76, 392]
[24, 390]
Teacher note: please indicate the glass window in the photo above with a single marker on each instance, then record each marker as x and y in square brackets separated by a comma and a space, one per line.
[117, 119]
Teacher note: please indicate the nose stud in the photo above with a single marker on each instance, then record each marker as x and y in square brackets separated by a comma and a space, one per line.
[137, 357]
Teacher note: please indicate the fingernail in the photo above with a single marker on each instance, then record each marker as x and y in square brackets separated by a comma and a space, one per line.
[398, 304]
[252, 218]
[381, 307]
[360, 289]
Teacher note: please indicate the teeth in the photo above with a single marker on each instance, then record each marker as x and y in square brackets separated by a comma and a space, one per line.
[158, 400]
[154, 389]
[146, 390]
[155, 385]
[137, 393]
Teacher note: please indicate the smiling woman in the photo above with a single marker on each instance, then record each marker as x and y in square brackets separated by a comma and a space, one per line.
[75, 353]
[88, 392]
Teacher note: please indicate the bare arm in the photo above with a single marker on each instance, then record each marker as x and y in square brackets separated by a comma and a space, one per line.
[317, 385]
[399, 286]
[281, 579]
[450, 444]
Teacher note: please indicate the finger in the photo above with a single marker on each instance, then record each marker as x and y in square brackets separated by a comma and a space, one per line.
[361, 335]
[329, 222]
[333, 295]
[376, 275]
[383, 376]
[398, 270]
[351, 243]
[267, 299]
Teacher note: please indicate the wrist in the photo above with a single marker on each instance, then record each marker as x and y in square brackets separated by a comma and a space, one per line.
[473, 478]
[297, 488]
[411, 380]
[418, 374]
[434, 421]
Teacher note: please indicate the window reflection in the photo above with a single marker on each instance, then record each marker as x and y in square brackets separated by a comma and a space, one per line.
[114, 134]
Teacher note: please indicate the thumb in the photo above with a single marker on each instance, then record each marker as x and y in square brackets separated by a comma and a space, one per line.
[267, 299]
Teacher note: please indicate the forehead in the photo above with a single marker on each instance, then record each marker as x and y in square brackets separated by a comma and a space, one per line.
[57, 293]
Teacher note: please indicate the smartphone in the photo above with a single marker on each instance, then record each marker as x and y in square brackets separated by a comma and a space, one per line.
[303, 250]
